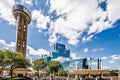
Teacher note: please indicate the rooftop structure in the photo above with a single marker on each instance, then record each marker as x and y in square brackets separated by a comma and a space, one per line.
[88, 71]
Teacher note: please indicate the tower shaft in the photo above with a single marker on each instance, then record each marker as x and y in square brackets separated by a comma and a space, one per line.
[21, 34]
[23, 17]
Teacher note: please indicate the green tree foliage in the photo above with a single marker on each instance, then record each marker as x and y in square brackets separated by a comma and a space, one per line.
[54, 66]
[2, 60]
[47, 70]
[39, 64]
[15, 60]
[62, 72]
[114, 73]
[1, 57]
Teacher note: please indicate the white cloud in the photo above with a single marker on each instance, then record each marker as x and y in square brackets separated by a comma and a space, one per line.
[104, 58]
[115, 57]
[40, 19]
[6, 11]
[99, 49]
[38, 52]
[106, 67]
[112, 61]
[75, 19]
[100, 24]
[85, 50]
[61, 59]
[94, 63]
[6, 45]
[12, 44]
[113, 8]
[74, 56]
[101, 1]
[30, 50]
[2, 41]
[29, 2]
[86, 39]
[53, 38]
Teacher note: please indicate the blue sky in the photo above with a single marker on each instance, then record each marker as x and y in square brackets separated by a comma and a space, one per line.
[89, 28]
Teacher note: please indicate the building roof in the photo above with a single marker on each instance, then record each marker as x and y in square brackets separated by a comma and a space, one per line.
[18, 70]
[89, 71]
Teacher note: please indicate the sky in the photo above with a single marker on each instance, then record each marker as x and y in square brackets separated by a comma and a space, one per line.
[89, 28]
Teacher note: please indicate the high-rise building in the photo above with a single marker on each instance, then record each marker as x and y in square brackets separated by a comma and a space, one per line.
[60, 51]
[23, 17]
[82, 63]
[86, 63]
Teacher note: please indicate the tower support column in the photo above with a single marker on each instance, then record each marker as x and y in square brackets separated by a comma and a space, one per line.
[23, 17]
[21, 35]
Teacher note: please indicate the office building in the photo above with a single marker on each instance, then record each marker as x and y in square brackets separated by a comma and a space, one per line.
[60, 51]
[82, 63]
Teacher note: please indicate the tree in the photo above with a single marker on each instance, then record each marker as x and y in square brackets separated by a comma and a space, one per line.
[47, 70]
[15, 60]
[62, 72]
[39, 64]
[114, 73]
[1, 60]
[54, 66]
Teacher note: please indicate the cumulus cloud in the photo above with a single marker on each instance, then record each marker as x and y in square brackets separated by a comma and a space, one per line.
[104, 58]
[74, 56]
[106, 67]
[115, 57]
[112, 61]
[38, 52]
[6, 45]
[99, 49]
[30, 50]
[6, 11]
[81, 17]
[113, 8]
[61, 59]
[41, 20]
[79, 22]
[94, 63]
[53, 38]
[86, 39]
[29, 2]
[85, 50]
[101, 1]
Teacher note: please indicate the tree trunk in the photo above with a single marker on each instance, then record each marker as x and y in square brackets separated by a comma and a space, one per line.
[1, 70]
[11, 73]
[3, 67]
[38, 73]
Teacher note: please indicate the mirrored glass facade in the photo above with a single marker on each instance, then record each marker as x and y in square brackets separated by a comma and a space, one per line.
[83, 63]
[60, 51]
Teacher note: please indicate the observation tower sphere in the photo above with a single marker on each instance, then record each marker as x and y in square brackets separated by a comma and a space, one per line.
[23, 17]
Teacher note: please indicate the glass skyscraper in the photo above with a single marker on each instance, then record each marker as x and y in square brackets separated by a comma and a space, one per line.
[60, 51]
[83, 63]
[68, 63]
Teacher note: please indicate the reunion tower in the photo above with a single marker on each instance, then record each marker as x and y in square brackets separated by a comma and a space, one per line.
[23, 17]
